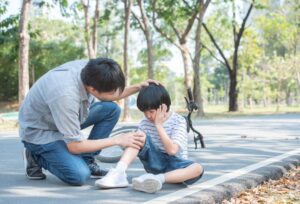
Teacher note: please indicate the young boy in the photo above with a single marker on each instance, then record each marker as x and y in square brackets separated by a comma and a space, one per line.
[164, 153]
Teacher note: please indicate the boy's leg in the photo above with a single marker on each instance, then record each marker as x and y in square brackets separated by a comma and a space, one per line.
[189, 173]
[116, 177]
[56, 158]
[103, 116]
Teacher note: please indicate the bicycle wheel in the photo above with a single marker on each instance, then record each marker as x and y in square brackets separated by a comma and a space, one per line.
[113, 154]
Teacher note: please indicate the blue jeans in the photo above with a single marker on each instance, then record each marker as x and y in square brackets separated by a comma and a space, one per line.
[73, 169]
[156, 162]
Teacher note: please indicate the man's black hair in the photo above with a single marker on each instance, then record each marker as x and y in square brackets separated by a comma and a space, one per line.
[152, 96]
[103, 74]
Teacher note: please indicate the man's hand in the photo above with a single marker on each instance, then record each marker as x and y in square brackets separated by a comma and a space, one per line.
[161, 115]
[146, 83]
[131, 139]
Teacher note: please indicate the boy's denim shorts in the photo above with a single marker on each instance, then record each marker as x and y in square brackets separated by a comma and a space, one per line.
[156, 162]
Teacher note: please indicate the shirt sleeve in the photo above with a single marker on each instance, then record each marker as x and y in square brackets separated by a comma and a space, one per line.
[179, 135]
[65, 112]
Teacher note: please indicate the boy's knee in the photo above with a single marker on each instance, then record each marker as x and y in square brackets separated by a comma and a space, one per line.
[199, 169]
[79, 177]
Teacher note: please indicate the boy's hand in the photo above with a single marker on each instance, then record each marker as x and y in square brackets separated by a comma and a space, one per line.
[131, 139]
[161, 115]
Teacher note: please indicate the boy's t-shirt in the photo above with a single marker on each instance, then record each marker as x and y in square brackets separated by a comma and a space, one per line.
[175, 127]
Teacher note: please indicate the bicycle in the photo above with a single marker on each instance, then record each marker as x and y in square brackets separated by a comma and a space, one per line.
[113, 154]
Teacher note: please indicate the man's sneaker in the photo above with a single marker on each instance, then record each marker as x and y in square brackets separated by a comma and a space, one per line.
[32, 170]
[113, 179]
[96, 172]
[148, 183]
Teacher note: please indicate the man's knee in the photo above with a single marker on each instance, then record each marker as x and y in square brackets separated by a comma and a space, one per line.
[112, 109]
[78, 177]
[116, 110]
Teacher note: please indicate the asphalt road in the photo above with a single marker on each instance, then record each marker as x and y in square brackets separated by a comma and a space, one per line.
[236, 149]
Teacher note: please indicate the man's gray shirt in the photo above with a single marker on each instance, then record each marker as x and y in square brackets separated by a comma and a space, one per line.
[55, 106]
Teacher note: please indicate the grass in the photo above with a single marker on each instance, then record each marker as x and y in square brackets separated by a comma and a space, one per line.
[8, 125]
[211, 112]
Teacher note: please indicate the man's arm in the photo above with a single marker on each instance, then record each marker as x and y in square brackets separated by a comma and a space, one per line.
[128, 91]
[134, 139]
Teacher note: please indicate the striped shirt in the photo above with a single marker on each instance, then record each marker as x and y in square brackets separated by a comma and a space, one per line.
[175, 127]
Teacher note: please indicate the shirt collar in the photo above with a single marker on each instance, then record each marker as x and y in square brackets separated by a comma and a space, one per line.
[84, 95]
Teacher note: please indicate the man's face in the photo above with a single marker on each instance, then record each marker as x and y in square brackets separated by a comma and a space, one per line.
[104, 96]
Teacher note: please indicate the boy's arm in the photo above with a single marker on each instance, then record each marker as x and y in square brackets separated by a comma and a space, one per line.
[161, 116]
[170, 147]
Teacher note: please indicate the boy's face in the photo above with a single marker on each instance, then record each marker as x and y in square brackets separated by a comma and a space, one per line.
[150, 115]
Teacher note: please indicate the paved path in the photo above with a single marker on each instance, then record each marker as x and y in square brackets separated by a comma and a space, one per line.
[240, 153]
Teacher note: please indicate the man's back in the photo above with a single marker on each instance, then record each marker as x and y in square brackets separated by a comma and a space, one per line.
[60, 87]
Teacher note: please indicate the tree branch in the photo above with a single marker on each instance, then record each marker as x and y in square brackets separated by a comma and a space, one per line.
[138, 20]
[212, 54]
[158, 29]
[217, 46]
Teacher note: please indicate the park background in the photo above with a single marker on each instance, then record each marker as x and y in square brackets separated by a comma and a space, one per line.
[239, 56]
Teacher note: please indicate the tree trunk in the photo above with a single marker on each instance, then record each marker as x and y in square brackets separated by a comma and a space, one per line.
[91, 37]
[186, 63]
[196, 63]
[127, 9]
[147, 32]
[95, 30]
[24, 50]
[233, 92]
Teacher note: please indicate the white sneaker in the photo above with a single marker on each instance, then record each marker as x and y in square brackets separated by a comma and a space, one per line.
[113, 179]
[148, 183]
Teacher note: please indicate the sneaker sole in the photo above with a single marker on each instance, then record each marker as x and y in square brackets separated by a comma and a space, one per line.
[110, 187]
[34, 178]
[95, 177]
[148, 185]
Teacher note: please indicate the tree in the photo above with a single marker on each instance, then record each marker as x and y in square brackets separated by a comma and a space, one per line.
[176, 19]
[91, 36]
[24, 50]
[9, 47]
[233, 66]
[145, 26]
[127, 10]
[196, 59]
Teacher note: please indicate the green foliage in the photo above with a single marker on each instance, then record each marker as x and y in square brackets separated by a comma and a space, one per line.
[59, 41]
[8, 55]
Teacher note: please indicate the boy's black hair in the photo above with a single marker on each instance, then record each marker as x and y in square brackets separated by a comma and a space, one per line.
[103, 74]
[152, 96]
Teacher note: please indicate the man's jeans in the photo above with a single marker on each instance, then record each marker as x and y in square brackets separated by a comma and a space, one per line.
[70, 168]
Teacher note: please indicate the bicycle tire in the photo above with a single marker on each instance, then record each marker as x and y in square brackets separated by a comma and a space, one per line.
[113, 154]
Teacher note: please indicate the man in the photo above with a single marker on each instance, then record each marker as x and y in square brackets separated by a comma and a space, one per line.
[59, 105]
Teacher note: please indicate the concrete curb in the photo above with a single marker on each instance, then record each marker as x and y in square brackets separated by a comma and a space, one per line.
[232, 187]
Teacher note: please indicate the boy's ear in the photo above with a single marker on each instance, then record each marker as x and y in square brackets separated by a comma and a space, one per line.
[90, 89]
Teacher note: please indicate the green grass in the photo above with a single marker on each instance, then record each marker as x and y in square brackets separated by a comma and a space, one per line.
[211, 112]
[8, 125]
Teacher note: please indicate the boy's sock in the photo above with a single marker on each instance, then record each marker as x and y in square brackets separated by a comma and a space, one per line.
[161, 177]
[121, 166]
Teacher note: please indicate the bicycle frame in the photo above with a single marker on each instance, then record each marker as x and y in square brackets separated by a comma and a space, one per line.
[191, 106]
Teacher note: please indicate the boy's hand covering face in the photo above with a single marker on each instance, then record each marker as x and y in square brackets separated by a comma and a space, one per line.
[161, 115]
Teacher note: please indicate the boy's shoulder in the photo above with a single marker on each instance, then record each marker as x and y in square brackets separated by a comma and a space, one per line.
[177, 117]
